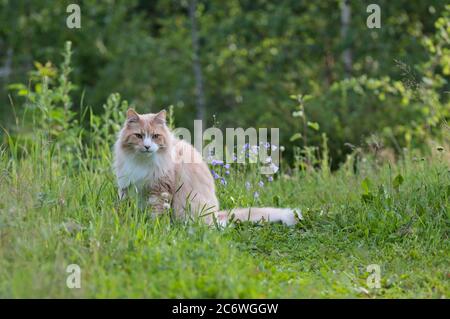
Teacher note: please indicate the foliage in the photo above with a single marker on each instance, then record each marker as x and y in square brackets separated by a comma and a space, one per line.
[53, 215]
[59, 207]
[254, 56]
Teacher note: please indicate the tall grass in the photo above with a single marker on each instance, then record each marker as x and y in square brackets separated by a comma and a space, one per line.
[59, 206]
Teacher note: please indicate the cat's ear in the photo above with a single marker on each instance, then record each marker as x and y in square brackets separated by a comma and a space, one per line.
[161, 116]
[132, 116]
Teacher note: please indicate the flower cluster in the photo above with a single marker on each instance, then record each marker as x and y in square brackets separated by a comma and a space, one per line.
[220, 169]
[225, 168]
[260, 184]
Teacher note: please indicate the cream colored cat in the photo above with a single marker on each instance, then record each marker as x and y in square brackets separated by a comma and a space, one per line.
[168, 172]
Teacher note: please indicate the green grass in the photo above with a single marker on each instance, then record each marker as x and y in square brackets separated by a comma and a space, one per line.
[59, 206]
[58, 209]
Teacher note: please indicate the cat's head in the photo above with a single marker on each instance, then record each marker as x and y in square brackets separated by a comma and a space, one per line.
[145, 134]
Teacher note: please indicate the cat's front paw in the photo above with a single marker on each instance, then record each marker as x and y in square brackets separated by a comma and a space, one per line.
[159, 202]
[166, 198]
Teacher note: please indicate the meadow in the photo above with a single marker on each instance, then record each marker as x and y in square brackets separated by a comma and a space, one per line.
[59, 206]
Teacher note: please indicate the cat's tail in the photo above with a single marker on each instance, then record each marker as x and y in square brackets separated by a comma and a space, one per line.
[287, 216]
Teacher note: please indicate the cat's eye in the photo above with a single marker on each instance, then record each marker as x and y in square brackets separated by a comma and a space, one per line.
[156, 135]
[138, 135]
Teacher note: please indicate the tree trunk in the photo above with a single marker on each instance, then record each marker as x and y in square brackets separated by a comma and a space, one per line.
[199, 90]
[5, 71]
[345, 25]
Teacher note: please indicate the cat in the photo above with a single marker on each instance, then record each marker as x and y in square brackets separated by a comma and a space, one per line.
[170, 173]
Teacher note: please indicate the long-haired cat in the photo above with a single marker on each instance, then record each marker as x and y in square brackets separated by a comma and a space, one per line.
[170, 173]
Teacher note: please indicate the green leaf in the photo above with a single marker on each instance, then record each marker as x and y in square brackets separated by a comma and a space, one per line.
[295, 137]
[22, 92]
[17, 86]
[297, 114]
[398, 180]
[314, 125]
[307, 97]
[365, 185]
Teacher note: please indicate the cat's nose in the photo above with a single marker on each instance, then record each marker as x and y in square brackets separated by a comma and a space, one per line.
[147, 147]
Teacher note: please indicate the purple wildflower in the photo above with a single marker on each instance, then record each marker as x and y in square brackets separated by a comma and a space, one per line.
[270, 179]
[248, 185]
[214, 174]
[226, 166]
[261, 184]
[223, 181]
[255, 195]
[274, 168]
[227, 172]
[215, 162]
[254, 149]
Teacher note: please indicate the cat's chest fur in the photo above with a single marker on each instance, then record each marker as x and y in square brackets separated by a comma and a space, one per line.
[140, 173]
